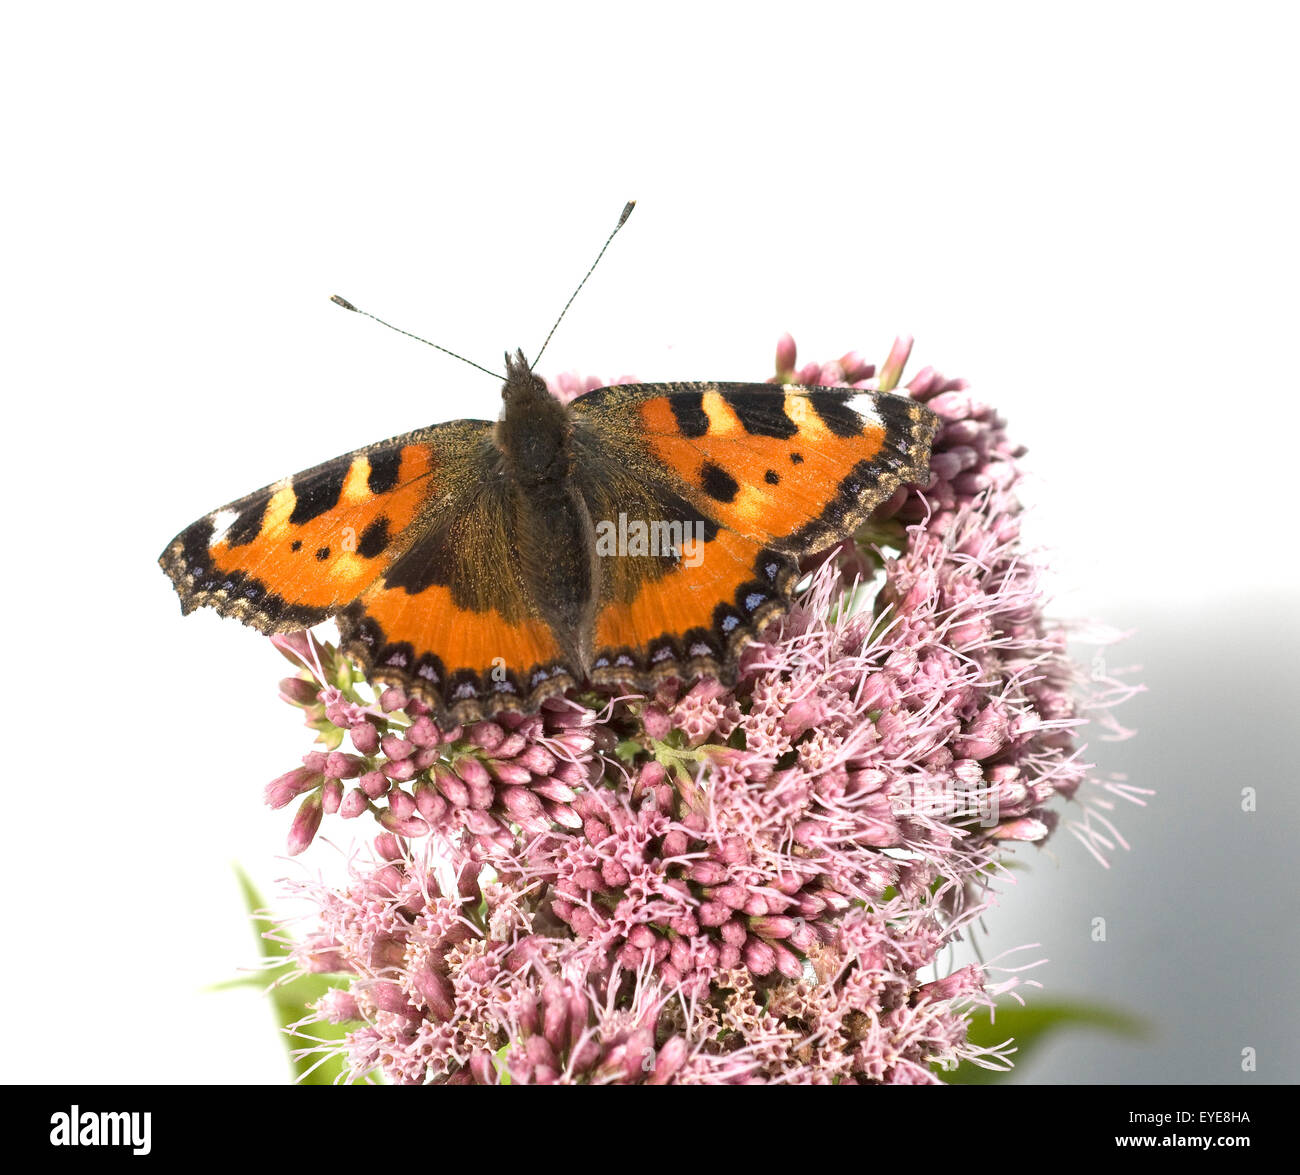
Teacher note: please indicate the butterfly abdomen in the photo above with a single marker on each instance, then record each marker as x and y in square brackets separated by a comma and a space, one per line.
[557, 557]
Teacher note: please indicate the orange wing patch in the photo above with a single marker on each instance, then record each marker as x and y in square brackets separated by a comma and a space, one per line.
[295, 552]
[455, 658]
[696, 618]
[796, 467]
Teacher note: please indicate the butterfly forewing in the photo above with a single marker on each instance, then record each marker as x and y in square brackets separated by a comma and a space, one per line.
[795, 467]
[294, 552]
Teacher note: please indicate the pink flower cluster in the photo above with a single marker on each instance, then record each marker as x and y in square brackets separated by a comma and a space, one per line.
[482, 781]
[710, 885]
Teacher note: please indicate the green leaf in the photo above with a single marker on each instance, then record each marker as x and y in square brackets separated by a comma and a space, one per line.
[503, 1074]
[874, 533]
[1031, 1027]
[628, 749]
[291, 999]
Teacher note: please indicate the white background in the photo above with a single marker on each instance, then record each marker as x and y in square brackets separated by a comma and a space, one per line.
[1088, 210]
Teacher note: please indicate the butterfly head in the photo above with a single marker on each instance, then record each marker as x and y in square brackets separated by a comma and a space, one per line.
[521, 383]
[534, 425]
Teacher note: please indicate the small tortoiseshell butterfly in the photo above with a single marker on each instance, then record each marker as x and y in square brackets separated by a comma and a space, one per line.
[641, 531]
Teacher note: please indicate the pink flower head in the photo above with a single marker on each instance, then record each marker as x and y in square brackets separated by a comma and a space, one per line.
[712, 885]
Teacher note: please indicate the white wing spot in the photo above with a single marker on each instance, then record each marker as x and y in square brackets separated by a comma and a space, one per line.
[864, 404]
[222, 521]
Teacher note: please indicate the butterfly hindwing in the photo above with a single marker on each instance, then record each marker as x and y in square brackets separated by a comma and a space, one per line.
[680, 594]
[696, 619]
[451, 619]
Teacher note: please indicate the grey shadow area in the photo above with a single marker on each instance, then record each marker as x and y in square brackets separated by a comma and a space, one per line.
[1202, 913]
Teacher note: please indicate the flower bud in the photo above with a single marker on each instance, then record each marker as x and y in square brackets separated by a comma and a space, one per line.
[298, 692]
[293, 783]
[306, 822]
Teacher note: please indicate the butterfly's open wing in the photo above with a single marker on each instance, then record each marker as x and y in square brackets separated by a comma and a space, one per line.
[797, 467]
[768, 473]
[293, 553]
[409, 542]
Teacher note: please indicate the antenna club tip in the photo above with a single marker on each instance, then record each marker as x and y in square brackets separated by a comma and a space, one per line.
[627, 211]
[338, 301]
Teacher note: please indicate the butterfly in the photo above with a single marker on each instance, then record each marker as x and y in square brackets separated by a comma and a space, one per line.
[639, 532]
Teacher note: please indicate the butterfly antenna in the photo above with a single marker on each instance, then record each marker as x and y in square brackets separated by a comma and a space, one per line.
[355, 310]
[622, 220]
